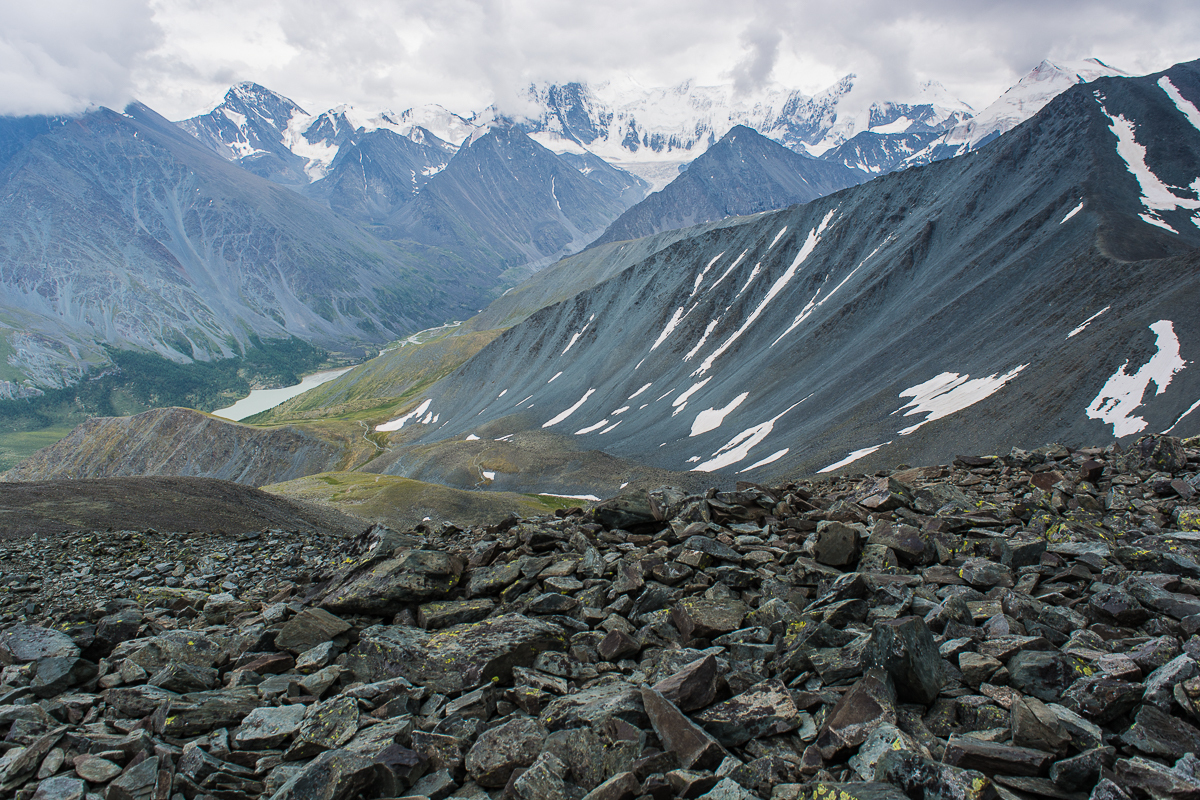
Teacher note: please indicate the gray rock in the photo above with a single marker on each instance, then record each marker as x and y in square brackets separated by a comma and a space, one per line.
[1035, 725]
[766, 709]
[698, 617]
[905, 650]
[616, 700]
[543, 780]
[442, 751]
[268, 727]
[487, 581]
[317, 657]
[870, 702]
[623, 786]
[434, 786]
[1044, 674]
[223, 607]
[883, 739]
[917, 775]
[1157, 733]
[991, 758]
[60, 787]
[135, 783]
[693, 687]
[1081, 771]
[836, 544]
[25, 643]
[309, 628]
[444, 613]
[381, 586]
[56, 674]
[201, 712]
[135, 702]
[1143, 776]
[694, 746]
[1102, 699]
[499, 751]
[184, 678]
[984, 574]
[977, 668]
[1160, 684]
[326, 726]
[182, 646]
[97, 770]
[333, 775]
[455, 659]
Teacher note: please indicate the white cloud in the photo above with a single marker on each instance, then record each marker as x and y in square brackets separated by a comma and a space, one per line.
[466, 53]
[59, 56]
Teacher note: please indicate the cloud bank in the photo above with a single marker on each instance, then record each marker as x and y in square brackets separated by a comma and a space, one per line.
[61, 57]
[179, 56]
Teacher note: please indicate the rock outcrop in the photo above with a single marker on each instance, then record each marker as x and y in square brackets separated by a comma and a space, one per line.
[1008, 627]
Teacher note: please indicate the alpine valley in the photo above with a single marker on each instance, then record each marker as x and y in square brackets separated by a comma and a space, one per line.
[810, 285]
[716, 311]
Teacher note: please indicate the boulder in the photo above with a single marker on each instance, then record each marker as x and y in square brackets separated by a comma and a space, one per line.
[381, 586]
[457, 658]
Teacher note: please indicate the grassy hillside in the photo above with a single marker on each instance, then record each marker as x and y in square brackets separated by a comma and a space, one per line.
[402, 502]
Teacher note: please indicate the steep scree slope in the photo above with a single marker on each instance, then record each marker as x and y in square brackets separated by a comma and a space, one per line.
[1028, 292]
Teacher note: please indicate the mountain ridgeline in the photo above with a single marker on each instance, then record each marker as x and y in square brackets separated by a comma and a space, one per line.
[1030, 291]
[1032, 288]
[744, 173]
[121, 229]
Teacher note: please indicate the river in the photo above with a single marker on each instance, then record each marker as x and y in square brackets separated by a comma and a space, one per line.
[263, 399]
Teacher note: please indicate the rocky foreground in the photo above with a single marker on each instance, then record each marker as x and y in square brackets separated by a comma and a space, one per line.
[1012, 627]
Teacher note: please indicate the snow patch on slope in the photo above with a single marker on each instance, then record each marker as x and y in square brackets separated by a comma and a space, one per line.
[855, 456]
[560, 417]
[711, 418]
[1087, 322]
[1156, 195]
[398, 422]
[810, 244]
[948, 393]
[1122, 393]
[738, 448]
[1185, 106]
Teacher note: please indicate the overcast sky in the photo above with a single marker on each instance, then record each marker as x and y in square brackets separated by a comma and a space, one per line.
[179, 56]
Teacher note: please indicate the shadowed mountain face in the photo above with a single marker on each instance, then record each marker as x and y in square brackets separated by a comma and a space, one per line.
[506, 200]
[744, 173]
[122, 229]
[1031, 291]
[377, 173]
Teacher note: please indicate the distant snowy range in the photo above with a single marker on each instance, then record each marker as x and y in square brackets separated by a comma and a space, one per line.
[651, 132]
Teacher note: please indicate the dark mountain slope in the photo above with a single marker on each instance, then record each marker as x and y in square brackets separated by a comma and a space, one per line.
[376, 173]
[1025, 293]
[506, 200]
[625, 185]
[743, 173]
[123, 229]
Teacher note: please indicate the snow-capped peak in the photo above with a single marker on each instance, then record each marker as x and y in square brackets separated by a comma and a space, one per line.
[1027, 97]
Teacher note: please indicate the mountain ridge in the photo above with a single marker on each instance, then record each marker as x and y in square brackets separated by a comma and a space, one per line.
[962, 247]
